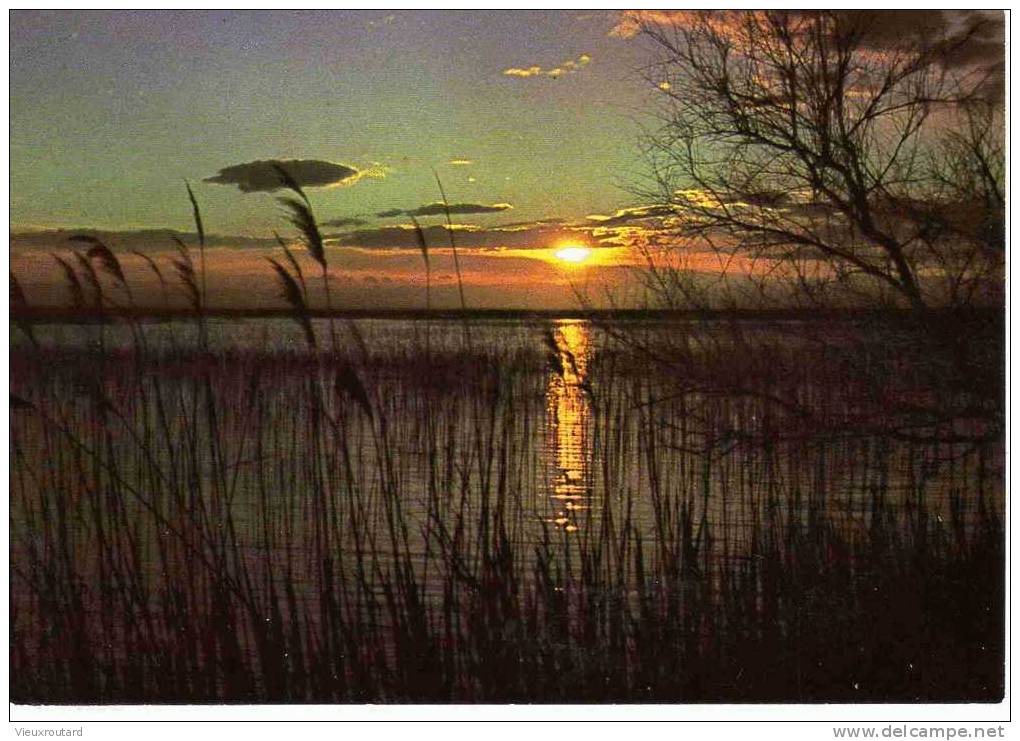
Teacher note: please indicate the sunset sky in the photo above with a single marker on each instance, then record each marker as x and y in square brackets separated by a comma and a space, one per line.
[531, 120]
[112, 112]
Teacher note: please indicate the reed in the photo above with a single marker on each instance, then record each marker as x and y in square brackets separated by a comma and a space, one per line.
[689, 513]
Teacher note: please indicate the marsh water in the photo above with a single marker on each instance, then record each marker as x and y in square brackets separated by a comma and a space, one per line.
[410, 460]
[560, 472]
[555, 431]
[563, 468]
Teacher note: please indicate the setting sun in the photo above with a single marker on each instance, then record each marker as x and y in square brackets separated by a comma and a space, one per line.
[574, 254]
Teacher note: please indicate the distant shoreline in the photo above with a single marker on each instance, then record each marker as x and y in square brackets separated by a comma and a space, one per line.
[69, 316]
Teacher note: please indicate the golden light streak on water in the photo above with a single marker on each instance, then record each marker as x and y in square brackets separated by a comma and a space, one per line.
[569, 423]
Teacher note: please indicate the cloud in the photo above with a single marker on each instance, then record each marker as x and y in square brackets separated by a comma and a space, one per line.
[970, 37]
[626, 227]
[639, 226]
[348, 221]
[525, 235]
[567, 68]
[635, 213]
[440, 209]
[634, 226]
[261, 175]
[631, 22]
[521, 225]
[142, 240]
[523, 72]
[973, 36]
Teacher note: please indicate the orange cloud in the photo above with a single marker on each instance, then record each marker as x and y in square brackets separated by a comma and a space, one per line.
[568, 67]
[631, 22]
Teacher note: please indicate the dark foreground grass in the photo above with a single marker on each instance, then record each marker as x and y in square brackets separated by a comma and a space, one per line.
[679, 512]
[763, 521]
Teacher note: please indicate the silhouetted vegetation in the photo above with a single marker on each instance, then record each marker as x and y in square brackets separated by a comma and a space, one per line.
[844, 162]
[740, 513]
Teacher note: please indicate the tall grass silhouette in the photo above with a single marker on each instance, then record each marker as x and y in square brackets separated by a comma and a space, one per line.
[752, 516]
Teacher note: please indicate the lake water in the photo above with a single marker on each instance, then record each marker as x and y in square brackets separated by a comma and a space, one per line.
[589, 413]
[440, 481]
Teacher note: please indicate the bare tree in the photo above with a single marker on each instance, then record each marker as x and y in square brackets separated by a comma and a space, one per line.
[831, 155]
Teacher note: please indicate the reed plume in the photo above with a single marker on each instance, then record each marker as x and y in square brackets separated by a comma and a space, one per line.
[92, 279]
[164, 288]
[293, 293]
[301, 216]
[74, 285]
[294, 265]
[19, 307]
[108, 261]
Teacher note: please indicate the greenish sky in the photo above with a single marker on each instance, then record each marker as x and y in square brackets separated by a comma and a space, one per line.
[112, 111]
[532, 120]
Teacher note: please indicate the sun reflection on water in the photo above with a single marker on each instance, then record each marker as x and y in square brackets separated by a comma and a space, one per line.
[569, 425]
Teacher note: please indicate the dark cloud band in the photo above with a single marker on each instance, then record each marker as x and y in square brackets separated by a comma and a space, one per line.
[536, 235]
[440, 209]
[349, 221]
